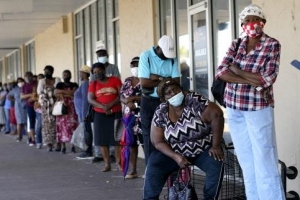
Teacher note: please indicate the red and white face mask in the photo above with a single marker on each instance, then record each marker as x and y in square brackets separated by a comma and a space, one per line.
[254, 29]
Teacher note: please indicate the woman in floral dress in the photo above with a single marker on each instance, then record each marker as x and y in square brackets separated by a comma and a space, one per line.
[45, 89]
[130, 95]
[66, 124]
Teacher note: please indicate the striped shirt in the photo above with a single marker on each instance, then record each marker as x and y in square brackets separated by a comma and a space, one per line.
[189, 136]
[264, 59]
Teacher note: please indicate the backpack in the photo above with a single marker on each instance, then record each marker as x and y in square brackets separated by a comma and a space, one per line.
[218, 85]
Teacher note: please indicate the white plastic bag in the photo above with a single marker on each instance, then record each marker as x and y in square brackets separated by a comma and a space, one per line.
[78, 137]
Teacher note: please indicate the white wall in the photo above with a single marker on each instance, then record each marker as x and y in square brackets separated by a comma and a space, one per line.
[53, 47]
[283, 23]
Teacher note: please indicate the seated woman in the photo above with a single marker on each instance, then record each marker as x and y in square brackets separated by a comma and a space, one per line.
[186, 130]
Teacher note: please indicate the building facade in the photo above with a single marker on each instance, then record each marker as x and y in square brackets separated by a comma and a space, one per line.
[203, 31]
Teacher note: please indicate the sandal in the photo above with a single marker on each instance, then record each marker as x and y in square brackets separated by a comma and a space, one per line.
[131, 176]
[119, 168]
[107, 168]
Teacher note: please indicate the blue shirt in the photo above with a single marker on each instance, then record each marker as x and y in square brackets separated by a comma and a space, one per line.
[7, 103]
[81, 101]
[164, 68]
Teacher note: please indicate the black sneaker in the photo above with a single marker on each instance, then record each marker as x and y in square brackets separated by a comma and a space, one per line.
[97, 160]
[84, 155]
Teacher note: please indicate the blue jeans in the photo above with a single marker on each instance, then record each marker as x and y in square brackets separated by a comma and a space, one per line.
[38, 128]
[148, 107]
[254, 139]
[7, 120]
[31, 117]
[161, 166]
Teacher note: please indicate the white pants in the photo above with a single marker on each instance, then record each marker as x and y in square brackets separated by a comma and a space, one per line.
[253, 136]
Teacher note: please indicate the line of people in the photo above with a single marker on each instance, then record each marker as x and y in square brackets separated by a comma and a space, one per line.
[100, 86]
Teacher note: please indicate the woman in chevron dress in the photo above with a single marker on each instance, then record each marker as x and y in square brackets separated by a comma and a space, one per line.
[186, 129]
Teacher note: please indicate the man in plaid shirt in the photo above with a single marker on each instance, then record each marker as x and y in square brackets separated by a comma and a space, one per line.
[250, 74]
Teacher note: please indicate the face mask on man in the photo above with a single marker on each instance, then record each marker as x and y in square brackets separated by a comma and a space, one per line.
[48, 76]
[67, 80]
[254, 29]
[28, 80]
[176, 100]
[134, 71]
[102, 59]
[21, 84]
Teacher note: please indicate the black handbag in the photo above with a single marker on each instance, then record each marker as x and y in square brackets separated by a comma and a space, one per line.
[218, 89]
[88, 133]
[182, 189]
[218, 85]
[118, 126]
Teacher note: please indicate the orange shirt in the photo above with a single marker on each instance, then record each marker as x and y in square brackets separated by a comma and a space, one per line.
[106, 92]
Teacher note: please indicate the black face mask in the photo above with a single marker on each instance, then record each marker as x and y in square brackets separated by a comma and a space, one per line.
[99, 76]
[48, 76]
[67, 80]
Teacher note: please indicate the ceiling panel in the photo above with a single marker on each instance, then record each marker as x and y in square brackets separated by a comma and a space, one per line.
[19, 24]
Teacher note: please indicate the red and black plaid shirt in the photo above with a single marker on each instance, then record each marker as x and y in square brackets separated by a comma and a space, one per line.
[264, 59]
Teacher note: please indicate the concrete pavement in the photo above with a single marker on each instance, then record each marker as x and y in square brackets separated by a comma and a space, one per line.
[27, 173]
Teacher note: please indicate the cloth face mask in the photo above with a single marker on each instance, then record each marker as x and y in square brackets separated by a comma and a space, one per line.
[254, 29]
[134, 71]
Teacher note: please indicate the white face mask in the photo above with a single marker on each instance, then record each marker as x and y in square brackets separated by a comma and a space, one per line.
[21, 84]
[134, 71]
[102, 59]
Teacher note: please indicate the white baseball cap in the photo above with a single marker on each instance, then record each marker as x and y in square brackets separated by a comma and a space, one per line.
[167, 45]
[100, 46]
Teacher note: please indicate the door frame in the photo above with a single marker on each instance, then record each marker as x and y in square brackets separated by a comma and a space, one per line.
[206, 7]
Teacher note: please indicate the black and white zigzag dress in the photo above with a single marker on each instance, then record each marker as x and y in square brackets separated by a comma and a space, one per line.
[189, 136]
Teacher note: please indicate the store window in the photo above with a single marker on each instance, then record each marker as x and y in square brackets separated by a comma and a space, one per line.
[193, 2]
[98, 21]
[1, 69]
[14, 66]
[239, 6]
[30, 57]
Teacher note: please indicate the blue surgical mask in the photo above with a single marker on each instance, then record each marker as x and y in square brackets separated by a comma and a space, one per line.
[102, 59]
[177, 99]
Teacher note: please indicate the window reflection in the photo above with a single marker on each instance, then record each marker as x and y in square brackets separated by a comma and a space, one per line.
[183, 45]
[166, 18]
[200, 53]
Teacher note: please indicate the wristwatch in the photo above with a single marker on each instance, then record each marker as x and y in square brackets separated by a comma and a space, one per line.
[161, 78]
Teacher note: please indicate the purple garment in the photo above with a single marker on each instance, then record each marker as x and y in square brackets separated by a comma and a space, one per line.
[28, 89]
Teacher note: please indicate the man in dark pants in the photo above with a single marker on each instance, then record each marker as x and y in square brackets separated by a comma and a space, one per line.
[155, 64]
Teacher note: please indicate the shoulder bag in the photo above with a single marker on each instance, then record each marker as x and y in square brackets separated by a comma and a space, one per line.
[218, 85]
[60, 108]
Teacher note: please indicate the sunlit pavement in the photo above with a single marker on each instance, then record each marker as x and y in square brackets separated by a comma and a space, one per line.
[35, 174]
